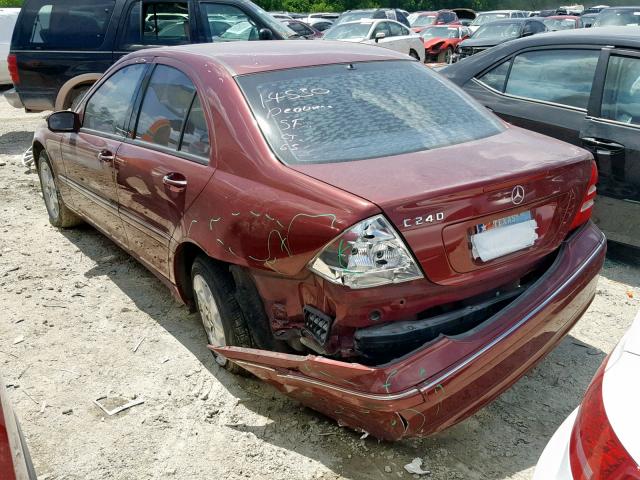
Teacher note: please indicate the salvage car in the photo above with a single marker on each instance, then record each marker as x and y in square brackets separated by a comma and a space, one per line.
[15, 460]
[601, 438]
[383, 33]
[374, 13]
[580, 86]
[493, 16]
[420, 20]
[440, 42]
[344, 236]
[618, 17]
[501, 31]
[52, 65]
[562, 22]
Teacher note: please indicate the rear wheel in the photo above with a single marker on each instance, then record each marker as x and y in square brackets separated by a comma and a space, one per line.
[220, 313]
[59, 215]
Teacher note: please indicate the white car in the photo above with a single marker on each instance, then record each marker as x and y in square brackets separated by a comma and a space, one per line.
[492, 16]
[384, 33]
[8, 17]
[601, 438]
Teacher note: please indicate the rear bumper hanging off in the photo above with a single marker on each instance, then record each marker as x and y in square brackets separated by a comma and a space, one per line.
[449, 378]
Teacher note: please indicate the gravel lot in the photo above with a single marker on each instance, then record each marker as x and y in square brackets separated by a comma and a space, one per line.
[75, 306]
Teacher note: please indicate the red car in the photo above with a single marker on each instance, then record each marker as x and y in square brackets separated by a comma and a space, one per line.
[15, 461]
[441, 41]
[562, 22]
[420, 20]
[354, 244]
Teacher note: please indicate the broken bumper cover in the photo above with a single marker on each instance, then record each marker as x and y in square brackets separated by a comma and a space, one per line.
[449, 378]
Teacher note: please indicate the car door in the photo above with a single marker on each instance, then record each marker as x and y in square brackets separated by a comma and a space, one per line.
[165, 165]
[546, 90]
[88, 155]
[612, 133]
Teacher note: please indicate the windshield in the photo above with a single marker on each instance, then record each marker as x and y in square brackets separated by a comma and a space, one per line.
[353, 16]
[439, 32]
[483, 18]
[617, 18]
[557, 24]
[335, 113]
[423, 20]
[498, 31]
[348, 31]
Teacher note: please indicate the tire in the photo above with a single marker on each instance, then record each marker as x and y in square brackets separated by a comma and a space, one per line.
[448, 55]
[222, 318]
[77, 96]
[414, 54]
[59, 215]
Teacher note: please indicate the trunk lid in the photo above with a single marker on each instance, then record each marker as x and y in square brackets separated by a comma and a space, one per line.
[438, 199]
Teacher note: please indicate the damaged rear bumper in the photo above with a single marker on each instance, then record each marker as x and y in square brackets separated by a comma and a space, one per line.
[451, 377]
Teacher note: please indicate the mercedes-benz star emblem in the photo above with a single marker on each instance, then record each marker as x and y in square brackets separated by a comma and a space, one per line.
[517, 194]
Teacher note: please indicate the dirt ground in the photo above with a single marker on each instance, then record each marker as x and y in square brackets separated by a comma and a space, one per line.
[74, 307]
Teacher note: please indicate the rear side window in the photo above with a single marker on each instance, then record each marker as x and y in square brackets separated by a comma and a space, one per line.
[496, 77]
[156, 23]
[337, 113]
[559, 76]
[164, 109]
[109, 108]
[195, 139]
[64, 24]
[621, 97]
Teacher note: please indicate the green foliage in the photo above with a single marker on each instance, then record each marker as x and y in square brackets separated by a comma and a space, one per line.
[10, 3]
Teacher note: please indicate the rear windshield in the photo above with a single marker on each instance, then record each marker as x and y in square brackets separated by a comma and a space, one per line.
[337, 113]
[50, 24]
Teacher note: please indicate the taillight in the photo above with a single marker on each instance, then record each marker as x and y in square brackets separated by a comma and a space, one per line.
[12, 62]
[595, 452]
[586, 205]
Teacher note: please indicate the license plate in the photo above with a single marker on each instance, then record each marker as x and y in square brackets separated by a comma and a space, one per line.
[503, 236]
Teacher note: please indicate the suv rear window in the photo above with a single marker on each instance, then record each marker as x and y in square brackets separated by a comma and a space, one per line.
[61, 24]
[337, 113]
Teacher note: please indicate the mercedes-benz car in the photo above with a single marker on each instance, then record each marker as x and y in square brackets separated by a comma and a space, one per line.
[342, 233]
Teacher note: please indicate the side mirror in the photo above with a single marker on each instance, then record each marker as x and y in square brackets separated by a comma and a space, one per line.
[64, 122]
[265, 34]
[380, 35]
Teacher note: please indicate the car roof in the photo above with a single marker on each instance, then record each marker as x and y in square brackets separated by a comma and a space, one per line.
[621, 8]
[500, 11]
[240, 58]
[508, 20]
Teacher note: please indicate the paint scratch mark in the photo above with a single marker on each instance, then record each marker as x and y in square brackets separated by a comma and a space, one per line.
[424, 419]
[422, 372]
[387, 384]
[254, 213]
[235, 214]
[439, 386]
[214, 220]
[283, 247]
[220, 241]
[280, 224]
[191, 225]
[268, 217]
[232, 252]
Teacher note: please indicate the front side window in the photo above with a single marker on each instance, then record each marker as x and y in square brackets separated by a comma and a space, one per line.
[66, 24]
[228, 23]
[109, 108]
[382, 27]
[621, 96]
[348, 31]
[559, 76]
[156, 23]
[397, 30]
[336, 113]
[165, 106]
[496, 77]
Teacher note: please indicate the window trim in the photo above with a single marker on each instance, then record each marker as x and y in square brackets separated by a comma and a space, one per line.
[509, 58]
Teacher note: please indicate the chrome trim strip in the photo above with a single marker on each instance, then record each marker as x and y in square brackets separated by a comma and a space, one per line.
[526, 99]
[64, 52]
[517, 325]
[109, 205]
[613, 122]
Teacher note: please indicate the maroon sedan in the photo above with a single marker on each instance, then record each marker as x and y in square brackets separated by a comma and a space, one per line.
[358, 245]
[15, 461]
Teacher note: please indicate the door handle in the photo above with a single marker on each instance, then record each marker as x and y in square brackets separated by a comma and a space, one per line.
[106, 156]
[175, 180]
[613, 146]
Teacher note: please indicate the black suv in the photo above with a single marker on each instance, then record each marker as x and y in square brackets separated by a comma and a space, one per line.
[61, 47]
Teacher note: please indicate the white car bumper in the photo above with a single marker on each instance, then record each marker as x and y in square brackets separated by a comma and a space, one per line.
[554, 461]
